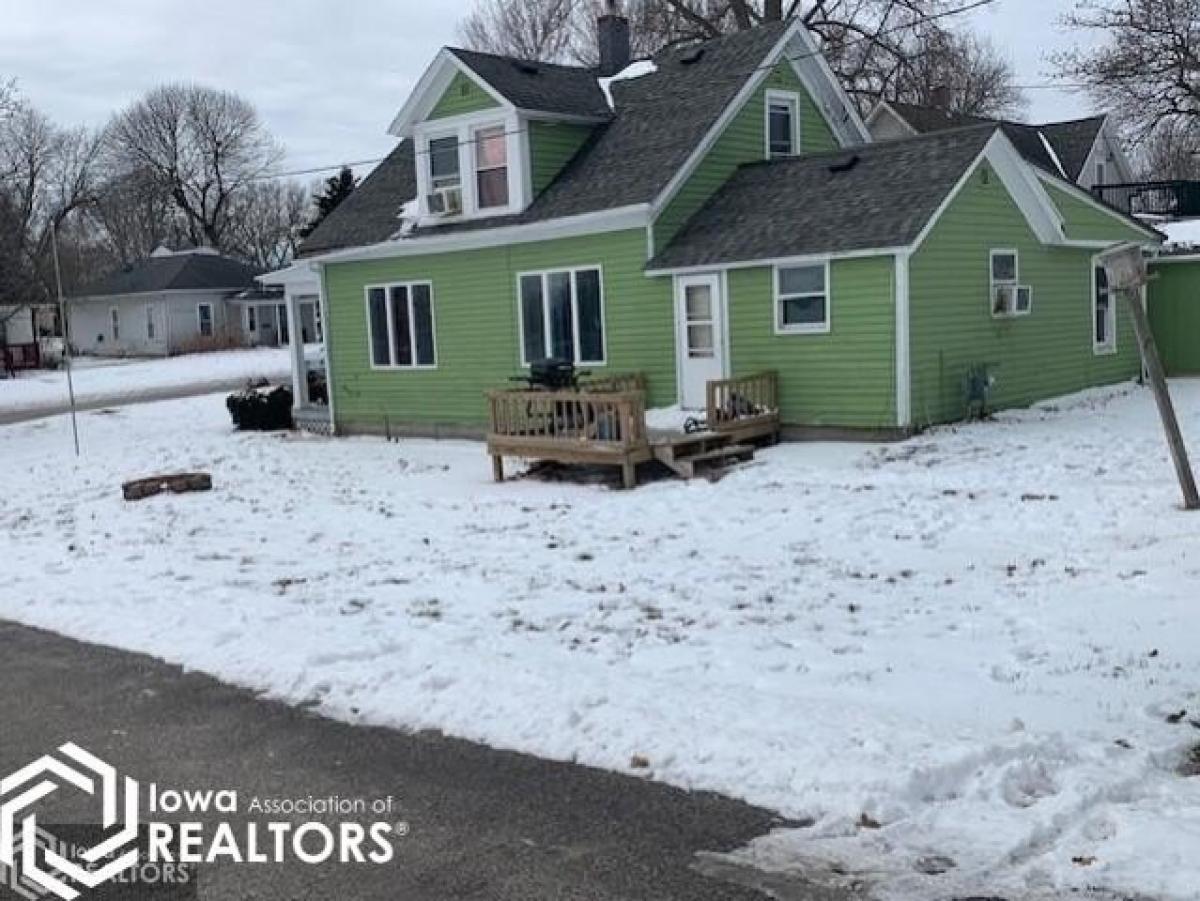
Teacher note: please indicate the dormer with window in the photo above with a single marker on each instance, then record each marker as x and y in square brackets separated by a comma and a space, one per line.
[491, 132]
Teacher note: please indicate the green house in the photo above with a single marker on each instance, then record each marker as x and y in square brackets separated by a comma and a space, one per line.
[1173, 304]
[719, 211]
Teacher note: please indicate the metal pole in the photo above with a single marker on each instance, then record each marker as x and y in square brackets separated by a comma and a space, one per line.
[66, 332]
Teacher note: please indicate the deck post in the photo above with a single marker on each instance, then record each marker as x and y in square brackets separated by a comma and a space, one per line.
[498, 467]
[628, 475]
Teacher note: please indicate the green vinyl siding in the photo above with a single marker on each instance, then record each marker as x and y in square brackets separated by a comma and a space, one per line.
[1174, 305]
[477, 335]
[1085, 222]
[551, 146]
[844, 378]
[1044, 354]
[463, 96]
[743, 141]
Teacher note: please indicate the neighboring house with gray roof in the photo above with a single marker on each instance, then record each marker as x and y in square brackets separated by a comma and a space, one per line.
[1086, 151]
[171, 302]
[716, 211]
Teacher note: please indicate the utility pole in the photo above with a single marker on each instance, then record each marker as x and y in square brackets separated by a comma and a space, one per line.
[1127, 276]
[66, 331]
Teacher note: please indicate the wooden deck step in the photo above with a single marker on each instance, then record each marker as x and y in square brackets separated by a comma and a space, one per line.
[684, 464]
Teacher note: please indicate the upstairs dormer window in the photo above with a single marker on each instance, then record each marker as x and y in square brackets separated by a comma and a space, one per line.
[444, 169]
[491, 167]
[783, 124]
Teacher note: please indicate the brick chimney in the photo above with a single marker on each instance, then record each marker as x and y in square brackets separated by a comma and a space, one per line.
[615, 48]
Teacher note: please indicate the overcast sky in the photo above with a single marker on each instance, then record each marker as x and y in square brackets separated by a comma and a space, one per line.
[327, 77]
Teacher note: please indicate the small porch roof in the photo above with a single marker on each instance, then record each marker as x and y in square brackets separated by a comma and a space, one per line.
[299, 278]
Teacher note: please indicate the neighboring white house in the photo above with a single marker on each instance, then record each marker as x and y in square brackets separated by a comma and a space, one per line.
[1084, 151]
[172, 302]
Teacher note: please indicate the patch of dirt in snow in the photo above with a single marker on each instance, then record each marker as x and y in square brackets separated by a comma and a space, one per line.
[972, 640]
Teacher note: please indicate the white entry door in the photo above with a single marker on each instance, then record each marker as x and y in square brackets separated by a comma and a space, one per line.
[700, 326]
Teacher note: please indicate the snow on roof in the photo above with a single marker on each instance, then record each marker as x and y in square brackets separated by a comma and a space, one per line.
[639, 69]
[1053, 154]
[1186, 232]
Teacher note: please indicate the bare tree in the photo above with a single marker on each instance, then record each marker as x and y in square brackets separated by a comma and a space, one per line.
[1172, 152]
[267, 218]
[203, 147]
[960, 72]
[529, 29]
[48, 174]
[1147, 70]
[132, 216]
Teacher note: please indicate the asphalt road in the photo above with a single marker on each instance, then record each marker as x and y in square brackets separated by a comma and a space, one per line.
[143, 396]
[482, 824]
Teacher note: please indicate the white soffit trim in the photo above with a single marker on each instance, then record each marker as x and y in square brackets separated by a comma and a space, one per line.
[1087, 199]
[620, 219]
[437, 78]
[1026, 189]
[903, 343]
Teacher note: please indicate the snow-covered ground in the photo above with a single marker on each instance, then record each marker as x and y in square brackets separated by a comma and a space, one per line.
[116, 380]
[971, 651]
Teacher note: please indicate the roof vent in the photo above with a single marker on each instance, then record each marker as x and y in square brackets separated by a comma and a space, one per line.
[692, 57]
[525, 67]
[845, 165]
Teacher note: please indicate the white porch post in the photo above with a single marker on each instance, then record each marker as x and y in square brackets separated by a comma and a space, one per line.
[296, 345]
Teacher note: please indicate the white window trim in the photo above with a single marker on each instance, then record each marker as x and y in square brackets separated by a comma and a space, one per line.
[114, 322]
[464, 128]
[792, 99]
[212, 320]
[1109, 347]
[1014, 283]
[823, 328]
[387, 287]
[545, 274]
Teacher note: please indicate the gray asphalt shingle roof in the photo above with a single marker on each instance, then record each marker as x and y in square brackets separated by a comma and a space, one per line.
[874, 196]
[372, 211]
[659, 120]
[177, 272]
[539, 87]
[1072, 141]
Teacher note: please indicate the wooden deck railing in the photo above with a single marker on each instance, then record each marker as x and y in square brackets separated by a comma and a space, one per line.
[746, 397]
[603, 422]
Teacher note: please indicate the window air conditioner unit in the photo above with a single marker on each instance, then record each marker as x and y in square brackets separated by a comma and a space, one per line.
[445, 202]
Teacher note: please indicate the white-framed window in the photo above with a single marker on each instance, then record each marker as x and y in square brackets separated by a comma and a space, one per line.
[1007, 296]
[802, 299]
[562, 315]
[252, 318]
[783, 124]
[114, 317]
[204, 316]
[400, 326]
[444, 162]
[491, 167]
[150, 330]
[1104, 312]
[472, 165]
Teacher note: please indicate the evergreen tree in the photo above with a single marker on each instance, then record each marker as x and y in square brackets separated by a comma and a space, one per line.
[337, 189]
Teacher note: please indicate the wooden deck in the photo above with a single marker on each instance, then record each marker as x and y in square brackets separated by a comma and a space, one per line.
[604, 422]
